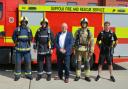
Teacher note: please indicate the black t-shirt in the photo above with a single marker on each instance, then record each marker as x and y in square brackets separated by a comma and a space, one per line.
[107, 38]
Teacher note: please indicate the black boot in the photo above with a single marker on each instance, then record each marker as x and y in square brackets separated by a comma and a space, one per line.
[88, 79]
[48, 77]
[76, 78]
[112, 78]
[97, 78]
[17, 77]
[39, 76]
[29, 76]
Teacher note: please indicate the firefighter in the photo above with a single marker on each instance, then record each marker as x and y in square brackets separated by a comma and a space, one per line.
[22, 38]
[84, 45]
[44, 43]
[106, 41]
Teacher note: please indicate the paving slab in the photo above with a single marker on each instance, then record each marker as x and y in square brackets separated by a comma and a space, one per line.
[121, 76]
[104, 83]
[7, 82]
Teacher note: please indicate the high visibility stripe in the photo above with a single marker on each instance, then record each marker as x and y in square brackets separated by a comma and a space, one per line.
[49, 44]
[26, 73]
[8, 40]
[1, 28]
[103, 17]
[49, 72]
[34, 29]
[19, 13]
[92, 9]
[23, 36]
[78, 73]
[44, 36]
[40, 73]
[43, 52]
[17, 73]
[23, 49]
[121, 32]
[95, 40]
[87, 72]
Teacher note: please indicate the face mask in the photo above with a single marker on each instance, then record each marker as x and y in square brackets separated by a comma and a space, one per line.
[84, 25]
[23, 24]
[44, 25]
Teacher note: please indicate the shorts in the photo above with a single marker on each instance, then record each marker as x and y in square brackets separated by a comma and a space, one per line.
[108, 58]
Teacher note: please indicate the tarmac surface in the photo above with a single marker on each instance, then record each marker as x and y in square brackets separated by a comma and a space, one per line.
[120, 73]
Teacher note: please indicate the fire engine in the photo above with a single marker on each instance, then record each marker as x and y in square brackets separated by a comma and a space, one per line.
[11, 11]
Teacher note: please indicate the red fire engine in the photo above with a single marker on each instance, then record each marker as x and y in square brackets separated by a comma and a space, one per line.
[11, 11]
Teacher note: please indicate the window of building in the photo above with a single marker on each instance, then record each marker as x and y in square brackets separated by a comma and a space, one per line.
[123, 0]
[53, 3]
[1, 10]
[126, 5]
[92, 4]
[122, 5]
[71, 3]
[31, 17]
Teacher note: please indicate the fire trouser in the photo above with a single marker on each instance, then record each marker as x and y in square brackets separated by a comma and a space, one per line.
[85, 56]
[40, 63]
[27, 59]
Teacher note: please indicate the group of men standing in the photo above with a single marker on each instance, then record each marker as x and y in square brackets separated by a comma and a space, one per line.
[45, 42]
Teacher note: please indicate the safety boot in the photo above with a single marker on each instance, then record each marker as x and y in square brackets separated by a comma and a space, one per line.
[76, 78]
[17, 77]
[88, 79]
[48, 77]
[97, 78]
[29, 76]
[39, 76]
[112, 78]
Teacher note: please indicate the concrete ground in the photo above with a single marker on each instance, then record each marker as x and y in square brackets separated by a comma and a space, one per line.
[120, 73]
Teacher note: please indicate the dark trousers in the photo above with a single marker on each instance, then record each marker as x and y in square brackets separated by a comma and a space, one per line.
[63, 63]
[40, 63]
[27, 59]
